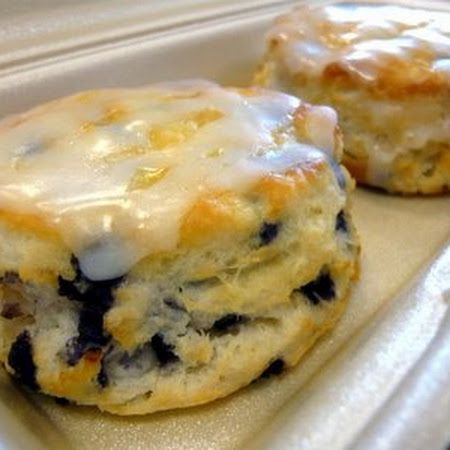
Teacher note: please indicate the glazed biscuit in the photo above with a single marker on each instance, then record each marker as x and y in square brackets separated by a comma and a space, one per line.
[386, 70]
[163, 247]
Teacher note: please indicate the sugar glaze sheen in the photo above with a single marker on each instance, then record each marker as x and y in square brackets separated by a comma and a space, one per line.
[115, 171]
[386, 70]
[367, 39]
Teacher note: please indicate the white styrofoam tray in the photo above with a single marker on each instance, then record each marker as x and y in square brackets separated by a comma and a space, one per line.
[380, 380]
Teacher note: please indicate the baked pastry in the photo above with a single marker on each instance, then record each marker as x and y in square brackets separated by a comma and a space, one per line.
[386, 70]
[163, 247]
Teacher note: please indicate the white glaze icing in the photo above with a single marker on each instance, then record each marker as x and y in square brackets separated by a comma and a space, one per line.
[369, 41]
[364, 38]
[115, 171]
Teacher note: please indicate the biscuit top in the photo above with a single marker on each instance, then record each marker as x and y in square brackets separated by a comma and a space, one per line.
[396, 49]
[115, 171]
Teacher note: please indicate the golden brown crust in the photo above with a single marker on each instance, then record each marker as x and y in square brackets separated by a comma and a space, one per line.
[396, 79]
[29, 223]
[214, 215]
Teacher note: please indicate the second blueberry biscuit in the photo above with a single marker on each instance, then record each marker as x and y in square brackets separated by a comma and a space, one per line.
[385, 69]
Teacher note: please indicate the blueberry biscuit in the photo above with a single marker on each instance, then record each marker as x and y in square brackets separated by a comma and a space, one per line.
[162, 247]
[386, 70]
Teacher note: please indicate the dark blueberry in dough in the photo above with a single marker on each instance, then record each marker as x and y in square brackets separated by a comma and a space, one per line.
[102, 377]
[141, 358]
[268, 232]
[68, 289]
[127, 360]
[90, 337]
[227, 322]
[97, 300]
[341, 222]
[76, 347]
[11, 311]
[96, 297]
[72, 288]
[74, 351]
[90, 325]
[20, 359]
[10, 278]
[164, 352]
[62, 401]
[100, 292]
[322, 288]
[274, 368]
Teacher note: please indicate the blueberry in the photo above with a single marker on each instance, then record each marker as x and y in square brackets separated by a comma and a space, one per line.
[20, 359]
[102, 377]
[228, 322]
[90, 325]
[74, 351]
[62, 401]
[322, 288]
[164, 352]
[96, 298]
[126, 359]
[276, 367]
[10, 278]
[11, 310]
[72, 288]
[11, 307]
[68, 289]
[268, 232]
[341, 222]
[78, 346]
[141, 358]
